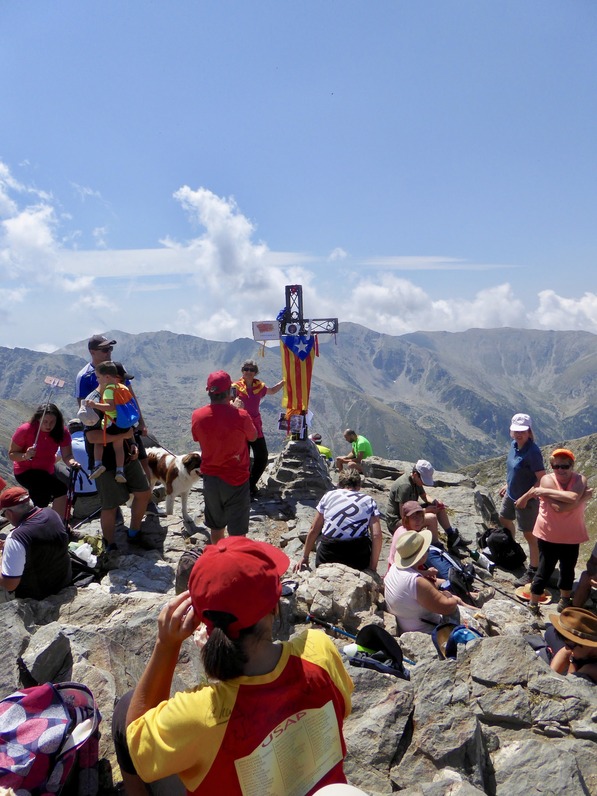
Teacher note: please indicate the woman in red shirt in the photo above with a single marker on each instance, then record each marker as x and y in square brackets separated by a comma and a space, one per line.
[33, 450]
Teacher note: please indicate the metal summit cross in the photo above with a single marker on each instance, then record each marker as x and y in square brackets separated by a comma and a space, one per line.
[293, 321]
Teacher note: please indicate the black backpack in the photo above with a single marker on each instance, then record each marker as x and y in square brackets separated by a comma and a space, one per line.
[504, 550]
[381, 652]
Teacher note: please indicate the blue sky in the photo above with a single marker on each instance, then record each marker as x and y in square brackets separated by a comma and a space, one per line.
[414, 165]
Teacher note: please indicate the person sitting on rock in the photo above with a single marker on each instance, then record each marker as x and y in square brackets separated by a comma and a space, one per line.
[35, 559]
[439, 563]
[323, 449]
[578, 655]
[414, 599]
[360, 449]
[587, 581]
[246, 730]
[411, 486]
[348, 522]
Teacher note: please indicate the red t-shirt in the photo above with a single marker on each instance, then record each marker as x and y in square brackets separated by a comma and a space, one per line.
[45, 452]
[223, 431]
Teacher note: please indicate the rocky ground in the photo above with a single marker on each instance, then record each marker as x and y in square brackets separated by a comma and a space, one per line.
[495, 721]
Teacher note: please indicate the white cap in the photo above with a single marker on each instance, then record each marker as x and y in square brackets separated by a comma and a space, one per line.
[520, 422]
[425, 470]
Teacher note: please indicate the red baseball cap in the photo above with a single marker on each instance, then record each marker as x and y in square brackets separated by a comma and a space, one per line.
[218, 382]
[13, 496]
[237, 576]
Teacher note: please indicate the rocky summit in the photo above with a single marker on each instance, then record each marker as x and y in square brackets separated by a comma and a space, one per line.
[497, 720]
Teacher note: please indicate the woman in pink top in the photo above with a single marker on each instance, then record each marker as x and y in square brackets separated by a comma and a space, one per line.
[34, 462]
[249, 392]
[560, 525]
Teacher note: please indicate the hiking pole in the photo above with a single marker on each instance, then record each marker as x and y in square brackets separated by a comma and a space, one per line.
[70, 496]
[329, 626]
[89, 517]
[53, 382]
[501, 591]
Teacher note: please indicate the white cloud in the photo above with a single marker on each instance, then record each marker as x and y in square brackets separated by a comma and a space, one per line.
[27, 244]
[219, 281]
[100, 237]
[338, 254]
[557, 312]
[426, 263]
[397, 306]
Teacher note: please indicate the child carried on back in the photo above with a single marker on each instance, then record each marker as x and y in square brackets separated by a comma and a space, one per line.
[120, 415]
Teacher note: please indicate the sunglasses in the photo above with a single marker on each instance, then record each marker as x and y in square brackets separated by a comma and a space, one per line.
[249, 370]
[561, 466]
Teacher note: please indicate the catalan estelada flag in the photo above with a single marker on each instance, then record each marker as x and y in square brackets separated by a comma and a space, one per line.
[298, 353]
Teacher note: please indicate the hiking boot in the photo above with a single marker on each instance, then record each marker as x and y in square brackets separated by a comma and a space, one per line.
[99, 470]
[154, 510]
[456, 542]
[565, 602]
[527, 577]
[535, 609]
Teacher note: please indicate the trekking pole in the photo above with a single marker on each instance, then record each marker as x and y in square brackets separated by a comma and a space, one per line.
[317, 621]
[70, 495]
[89, 517]
[53, 382]
[501, 591]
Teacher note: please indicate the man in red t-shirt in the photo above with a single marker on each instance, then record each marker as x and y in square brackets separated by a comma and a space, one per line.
[223, 432]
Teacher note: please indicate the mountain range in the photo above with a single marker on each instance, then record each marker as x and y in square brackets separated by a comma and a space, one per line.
[446, 397]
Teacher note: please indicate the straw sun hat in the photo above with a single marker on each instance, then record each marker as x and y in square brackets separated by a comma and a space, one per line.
[411, 548]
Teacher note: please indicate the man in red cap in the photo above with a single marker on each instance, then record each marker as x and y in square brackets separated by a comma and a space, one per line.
[223, 432]
[35, 560]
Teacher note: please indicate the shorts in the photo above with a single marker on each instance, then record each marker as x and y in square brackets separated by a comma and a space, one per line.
[43, 487]
[354, 553]
[113, 494]
[113, 430]
[226, 506]
[525, 518]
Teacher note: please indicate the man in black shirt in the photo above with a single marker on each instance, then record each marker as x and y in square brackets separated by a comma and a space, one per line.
[35, 559]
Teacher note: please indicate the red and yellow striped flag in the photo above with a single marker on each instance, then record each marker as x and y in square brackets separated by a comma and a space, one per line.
[298, 353]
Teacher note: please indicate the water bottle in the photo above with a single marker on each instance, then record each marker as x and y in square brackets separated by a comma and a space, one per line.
[482, 560]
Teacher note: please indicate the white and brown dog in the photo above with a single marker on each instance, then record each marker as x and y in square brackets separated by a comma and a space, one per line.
[176, 473]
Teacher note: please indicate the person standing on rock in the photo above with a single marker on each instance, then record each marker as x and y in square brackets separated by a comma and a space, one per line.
[249, 392]
[560, 526]
[411, 487]
[525, 469]
[100, 350]
[360, 449]
[223, 431]
[251, 728]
